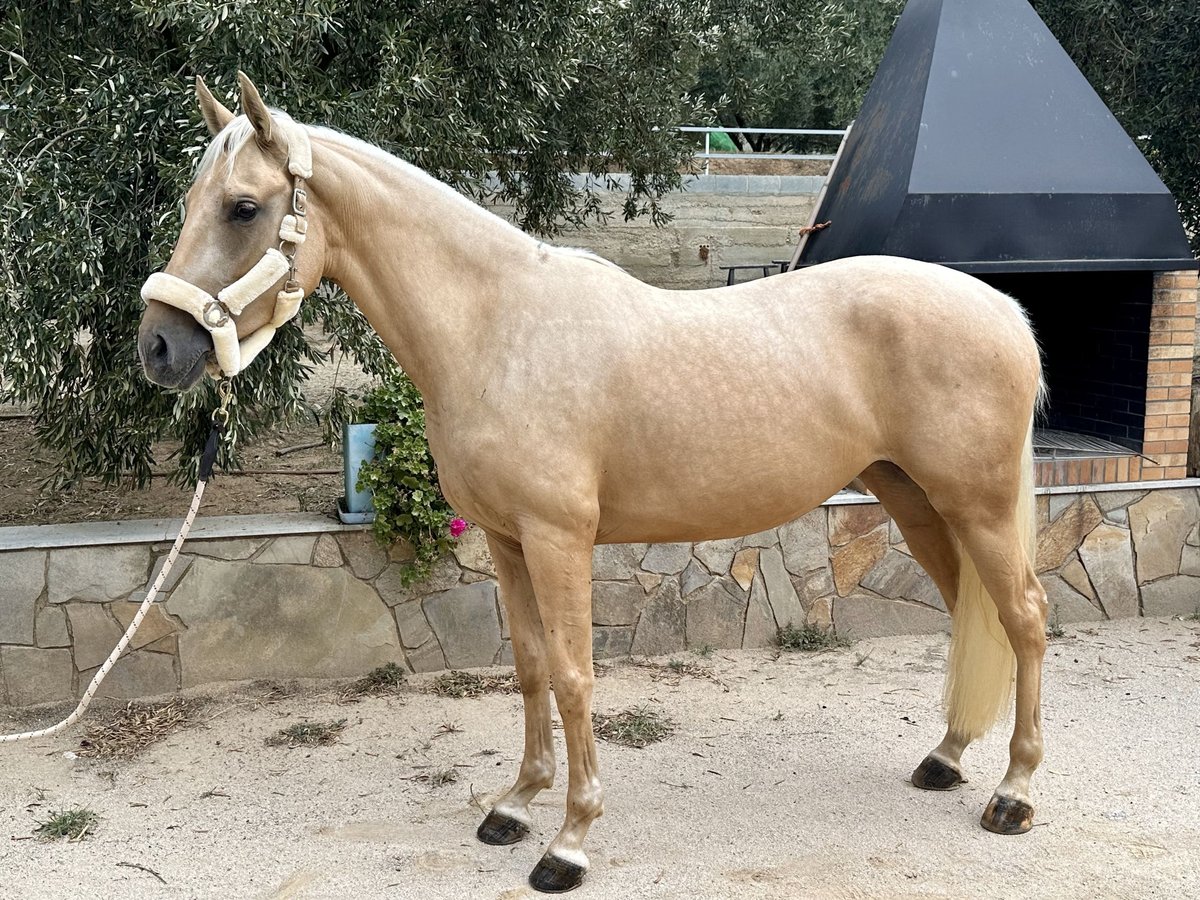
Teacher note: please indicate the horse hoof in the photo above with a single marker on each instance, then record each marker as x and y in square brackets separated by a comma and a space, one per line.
[934, 775]
[498, 829]
[1007, 816]
[555, 876]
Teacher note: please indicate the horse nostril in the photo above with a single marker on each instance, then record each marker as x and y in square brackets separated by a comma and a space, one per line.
[155, 351]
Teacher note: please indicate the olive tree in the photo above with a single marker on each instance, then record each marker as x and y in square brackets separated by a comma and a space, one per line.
[99, 134]
[790, 63]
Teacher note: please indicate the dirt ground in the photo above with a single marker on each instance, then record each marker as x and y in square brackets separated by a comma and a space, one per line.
[785, 778]
[307, 480]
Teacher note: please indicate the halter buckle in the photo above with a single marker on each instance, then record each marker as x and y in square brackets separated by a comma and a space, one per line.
[215, 314]
[299, 201]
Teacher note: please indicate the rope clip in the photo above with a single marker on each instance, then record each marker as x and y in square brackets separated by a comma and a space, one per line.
[220, 415]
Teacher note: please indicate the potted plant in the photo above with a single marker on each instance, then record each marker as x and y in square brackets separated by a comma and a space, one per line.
[388, 468]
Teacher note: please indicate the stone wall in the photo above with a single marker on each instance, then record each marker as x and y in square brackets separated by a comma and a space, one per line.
[330, 603]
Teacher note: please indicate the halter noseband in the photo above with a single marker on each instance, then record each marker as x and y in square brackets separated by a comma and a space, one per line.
[216, 314]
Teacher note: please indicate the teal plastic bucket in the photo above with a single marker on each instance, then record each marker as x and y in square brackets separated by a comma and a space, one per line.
[358, 446]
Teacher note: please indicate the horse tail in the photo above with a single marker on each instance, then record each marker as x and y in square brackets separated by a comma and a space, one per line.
[979, 680]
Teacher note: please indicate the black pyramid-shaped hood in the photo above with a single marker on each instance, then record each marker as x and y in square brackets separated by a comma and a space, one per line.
[980, 145]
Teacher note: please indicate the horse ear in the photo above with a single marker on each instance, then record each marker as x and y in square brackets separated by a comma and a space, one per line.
[254, 108]
[216, 116]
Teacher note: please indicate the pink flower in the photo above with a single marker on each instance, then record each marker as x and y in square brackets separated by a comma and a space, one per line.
[458, 526]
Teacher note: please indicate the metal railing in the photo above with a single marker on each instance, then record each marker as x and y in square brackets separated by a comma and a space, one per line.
[710, 154]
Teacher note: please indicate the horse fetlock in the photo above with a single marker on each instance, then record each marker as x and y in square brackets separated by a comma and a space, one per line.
[586, 803]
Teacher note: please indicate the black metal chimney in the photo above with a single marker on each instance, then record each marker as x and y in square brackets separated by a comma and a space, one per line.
[980, 145]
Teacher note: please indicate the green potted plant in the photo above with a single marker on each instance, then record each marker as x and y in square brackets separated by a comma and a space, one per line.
[394, 468]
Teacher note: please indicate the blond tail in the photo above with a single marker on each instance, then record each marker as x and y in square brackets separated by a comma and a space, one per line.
[979, 679]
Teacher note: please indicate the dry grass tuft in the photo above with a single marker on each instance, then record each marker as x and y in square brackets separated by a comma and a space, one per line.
[438, 777]
[808, 638]
[72, 824]
[1054, 629]
[460, 685]
[385, 679]
[136, 727]
[271, 691]
[678, 666]
[636, 727]
[312, 734]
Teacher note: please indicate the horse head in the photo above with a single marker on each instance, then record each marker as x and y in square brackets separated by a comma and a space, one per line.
[237, 272]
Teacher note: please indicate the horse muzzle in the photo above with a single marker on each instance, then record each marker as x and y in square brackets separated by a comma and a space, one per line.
[173, 348]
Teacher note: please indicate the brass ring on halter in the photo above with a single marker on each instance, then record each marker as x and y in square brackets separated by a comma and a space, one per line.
[215, 314]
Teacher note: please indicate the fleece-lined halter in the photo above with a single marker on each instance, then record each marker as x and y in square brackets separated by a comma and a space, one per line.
[216, 314]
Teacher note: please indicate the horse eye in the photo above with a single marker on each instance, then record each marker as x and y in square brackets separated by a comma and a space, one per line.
[245, 211]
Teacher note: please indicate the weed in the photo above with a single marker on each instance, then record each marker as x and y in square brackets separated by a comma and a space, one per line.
[1195, 617]
[636, 727]
[1054, 628]
[311, 733]
[385, 679]
[72, 824]
[441, 777]
[270, 691]
[686, 667]
[808, 638]
[136, 727]
[705, 652]
[460, 685]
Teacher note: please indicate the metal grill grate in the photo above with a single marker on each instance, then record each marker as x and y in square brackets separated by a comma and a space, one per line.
[1051, 444]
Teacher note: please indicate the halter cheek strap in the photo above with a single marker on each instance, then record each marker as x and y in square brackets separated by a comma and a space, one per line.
[216, 314]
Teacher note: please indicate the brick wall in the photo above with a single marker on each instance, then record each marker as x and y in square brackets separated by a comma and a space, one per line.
[1163, 394]
[1169, 382]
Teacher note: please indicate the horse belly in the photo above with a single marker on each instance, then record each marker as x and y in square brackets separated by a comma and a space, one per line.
[724, 491]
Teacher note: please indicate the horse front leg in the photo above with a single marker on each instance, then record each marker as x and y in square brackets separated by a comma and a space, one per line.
[560, 567]
[509, 819]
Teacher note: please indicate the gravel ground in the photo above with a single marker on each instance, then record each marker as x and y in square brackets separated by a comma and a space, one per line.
[785, 778]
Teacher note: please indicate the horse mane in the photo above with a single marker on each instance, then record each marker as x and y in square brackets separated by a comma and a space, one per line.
[237, 134]
[377, 152]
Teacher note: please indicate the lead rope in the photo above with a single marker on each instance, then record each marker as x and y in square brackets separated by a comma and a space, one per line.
[219, 417]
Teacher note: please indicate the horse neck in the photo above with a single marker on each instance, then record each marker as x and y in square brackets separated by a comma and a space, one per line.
[426, 266]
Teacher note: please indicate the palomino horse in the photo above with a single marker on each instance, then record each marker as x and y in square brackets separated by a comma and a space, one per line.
[568, 404]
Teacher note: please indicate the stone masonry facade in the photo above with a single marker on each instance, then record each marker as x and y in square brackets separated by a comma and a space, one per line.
[717, 220]
[332, 605]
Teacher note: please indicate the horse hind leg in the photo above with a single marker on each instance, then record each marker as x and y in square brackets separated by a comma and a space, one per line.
[1005, 571]
[934, 546]
[1000, 622]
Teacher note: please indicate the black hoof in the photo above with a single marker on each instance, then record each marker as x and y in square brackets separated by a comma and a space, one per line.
[498, 830]
[934, 775]
[555, 876]
[1006, 816]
